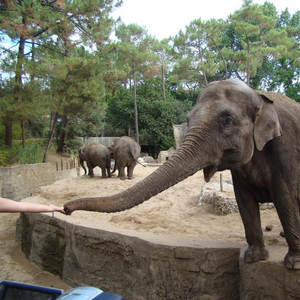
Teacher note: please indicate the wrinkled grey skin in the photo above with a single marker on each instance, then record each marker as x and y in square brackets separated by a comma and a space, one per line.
[95, 155]
[233, 127]
[126, 153]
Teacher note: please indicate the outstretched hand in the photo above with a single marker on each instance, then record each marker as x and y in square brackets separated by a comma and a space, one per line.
[56, 208]
[7, 205]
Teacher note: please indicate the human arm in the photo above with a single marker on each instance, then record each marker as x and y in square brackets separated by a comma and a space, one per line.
[7, 205]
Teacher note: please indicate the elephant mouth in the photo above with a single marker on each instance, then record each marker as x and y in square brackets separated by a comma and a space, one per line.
[209, 172]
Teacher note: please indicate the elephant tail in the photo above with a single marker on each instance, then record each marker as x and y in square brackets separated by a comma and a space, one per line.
[140, 163]
[134, 156]
[115, 166]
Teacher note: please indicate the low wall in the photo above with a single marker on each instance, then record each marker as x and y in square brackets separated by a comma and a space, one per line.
[106, 141]
[18, 182]
[131, 266]
[140, 268]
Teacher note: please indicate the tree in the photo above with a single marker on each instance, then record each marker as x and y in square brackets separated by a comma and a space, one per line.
[156, 114]
[134, 51]
[55, 29]
[199, 53]
[23, 22]
[163, 49]
[256, 38]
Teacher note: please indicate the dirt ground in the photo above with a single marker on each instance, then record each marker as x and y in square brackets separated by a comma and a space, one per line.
[174, 212]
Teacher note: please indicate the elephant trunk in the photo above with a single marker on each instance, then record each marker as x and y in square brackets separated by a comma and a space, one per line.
[184, 163]
[82, 165]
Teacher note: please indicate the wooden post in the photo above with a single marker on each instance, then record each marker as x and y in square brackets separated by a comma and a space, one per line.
[221, 182]
[62, 165]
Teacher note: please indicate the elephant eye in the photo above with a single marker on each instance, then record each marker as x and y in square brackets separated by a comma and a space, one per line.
[227, 121]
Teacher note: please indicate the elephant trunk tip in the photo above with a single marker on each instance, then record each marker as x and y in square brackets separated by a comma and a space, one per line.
[67, 210]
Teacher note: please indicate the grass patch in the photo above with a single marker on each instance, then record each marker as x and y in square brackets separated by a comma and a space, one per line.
[18, 155]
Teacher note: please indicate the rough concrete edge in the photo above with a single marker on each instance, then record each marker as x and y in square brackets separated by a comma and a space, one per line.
[211, 249]
[262, 280]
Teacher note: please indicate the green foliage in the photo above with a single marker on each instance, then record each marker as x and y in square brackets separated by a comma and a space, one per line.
[18, 155]
[69, 67]
[156, 114]
[4, 156]
[120, 111]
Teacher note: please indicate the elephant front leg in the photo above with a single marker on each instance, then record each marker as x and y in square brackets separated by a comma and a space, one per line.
[249, 210]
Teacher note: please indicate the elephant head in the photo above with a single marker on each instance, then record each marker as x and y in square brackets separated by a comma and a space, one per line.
[228, 121]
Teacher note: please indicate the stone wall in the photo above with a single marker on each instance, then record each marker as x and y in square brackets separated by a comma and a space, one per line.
[139, 267]
[136, 268]
[18, 182]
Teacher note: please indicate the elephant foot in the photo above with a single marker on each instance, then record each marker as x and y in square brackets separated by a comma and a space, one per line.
[255, 253]
[292, 260]
[122, 177]
[130, 178]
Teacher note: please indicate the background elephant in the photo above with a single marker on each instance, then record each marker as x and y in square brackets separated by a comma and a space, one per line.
[95, 154]
[256, 135]
[126, 153]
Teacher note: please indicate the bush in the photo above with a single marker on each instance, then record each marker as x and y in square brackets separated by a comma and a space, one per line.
[17, 155]
[4, 156]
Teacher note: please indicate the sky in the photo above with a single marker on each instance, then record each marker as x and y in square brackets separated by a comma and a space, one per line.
[164, 18]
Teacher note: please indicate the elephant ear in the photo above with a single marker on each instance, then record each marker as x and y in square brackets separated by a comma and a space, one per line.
[266, 126]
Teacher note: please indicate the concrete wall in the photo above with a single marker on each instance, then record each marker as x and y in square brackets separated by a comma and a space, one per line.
[140, 267]
[136, 268]
[106, 141]
[18, 182]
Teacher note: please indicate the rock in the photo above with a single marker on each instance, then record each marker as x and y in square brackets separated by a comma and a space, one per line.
[269, 227]
[146, 159]
[223, 201]
[163, 156]
[220, 194]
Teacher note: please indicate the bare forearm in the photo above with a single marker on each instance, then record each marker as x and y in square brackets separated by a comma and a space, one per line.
[7, 205]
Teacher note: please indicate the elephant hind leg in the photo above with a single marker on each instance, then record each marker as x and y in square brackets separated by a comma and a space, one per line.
[103, 170]
[130, 171]
[122, 173]
[108, 172]
[91, 171]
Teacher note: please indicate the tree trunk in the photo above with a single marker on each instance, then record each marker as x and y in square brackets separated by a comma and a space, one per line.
[61, 142]
[248, 60]
[135, 107]
[8, 134]
[220, 52]
[163, 81]
[23, 133]
[53, 122]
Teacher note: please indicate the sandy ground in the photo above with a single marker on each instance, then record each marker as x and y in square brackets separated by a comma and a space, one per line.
[174, 212]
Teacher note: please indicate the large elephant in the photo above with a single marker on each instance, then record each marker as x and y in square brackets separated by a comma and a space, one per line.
[126, 152]
[95, 154]
[256, 135]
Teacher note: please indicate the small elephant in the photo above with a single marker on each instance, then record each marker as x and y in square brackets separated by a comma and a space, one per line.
[254, 134]
[95, 154]
[126, 152]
